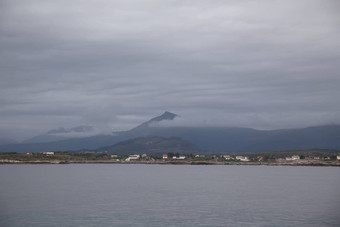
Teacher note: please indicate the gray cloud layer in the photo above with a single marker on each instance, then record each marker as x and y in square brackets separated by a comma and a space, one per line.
[263, 64]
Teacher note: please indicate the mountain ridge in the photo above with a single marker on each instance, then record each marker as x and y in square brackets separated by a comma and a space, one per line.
[210, 139]
[61, 133]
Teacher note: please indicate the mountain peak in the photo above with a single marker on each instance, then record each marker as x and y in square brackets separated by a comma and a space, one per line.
[165, 116]
[168, 116]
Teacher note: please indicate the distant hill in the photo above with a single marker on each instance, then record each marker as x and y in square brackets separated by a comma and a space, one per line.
[62, 133]
[7, 141]
[210, 139]
[152, 146]
[147, 128]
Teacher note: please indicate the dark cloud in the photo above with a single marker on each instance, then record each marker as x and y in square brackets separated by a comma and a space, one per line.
[113, 64]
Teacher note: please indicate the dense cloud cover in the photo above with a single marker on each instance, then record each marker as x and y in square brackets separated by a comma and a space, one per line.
[114, 64]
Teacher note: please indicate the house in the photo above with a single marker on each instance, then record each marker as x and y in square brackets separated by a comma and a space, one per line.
[48, 153]
[199, 156]
[133, 157]
[294, 157]
[165, 156]
[242, 158]
[338, 157]
[227, 157]
[179, 158]
[114, 156]
[260, 158]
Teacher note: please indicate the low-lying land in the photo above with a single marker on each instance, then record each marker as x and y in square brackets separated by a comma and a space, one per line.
[287, 158]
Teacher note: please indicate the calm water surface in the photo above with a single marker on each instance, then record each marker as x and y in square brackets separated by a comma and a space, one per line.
[155, 195]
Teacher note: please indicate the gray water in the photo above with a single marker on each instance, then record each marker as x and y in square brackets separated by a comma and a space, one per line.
[157, 195]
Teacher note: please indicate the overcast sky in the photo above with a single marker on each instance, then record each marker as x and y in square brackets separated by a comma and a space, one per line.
[114, 64]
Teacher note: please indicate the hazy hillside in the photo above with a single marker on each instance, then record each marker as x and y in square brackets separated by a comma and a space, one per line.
[7, 141]
[151, 145]
[214, 139]
[62, 133]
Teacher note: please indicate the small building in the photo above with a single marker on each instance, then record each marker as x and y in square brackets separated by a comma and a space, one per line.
[227, 157]
[165, 156]
[48, 153]
[199, 156]
[114, 156]
[295, 157]
[179, 158]
[133, 157]
[260, 158]
[338, 157]
[242, 158]
[29, 153]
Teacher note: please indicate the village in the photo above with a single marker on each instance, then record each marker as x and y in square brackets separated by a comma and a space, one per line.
[169, 158]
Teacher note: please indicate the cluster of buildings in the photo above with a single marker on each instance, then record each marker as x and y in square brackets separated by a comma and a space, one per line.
[135, 157]
[293, 158]
[180, 157]
[241, 158]
[297, 157]
[237, 158]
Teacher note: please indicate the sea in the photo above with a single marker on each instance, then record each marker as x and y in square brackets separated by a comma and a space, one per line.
[168, 195]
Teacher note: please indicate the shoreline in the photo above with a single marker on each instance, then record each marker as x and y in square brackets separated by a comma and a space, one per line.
[298, 163]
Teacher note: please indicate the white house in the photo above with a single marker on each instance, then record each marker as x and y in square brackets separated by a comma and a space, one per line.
[294, 157]
[179, 158]
[227, 157]
[242, 158]
[199, 156]
[133, 157]
[338, 157]
[48, 153]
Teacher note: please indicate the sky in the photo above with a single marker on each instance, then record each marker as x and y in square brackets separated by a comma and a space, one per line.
[264, 64]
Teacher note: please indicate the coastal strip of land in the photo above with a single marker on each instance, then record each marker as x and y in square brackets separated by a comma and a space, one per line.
[283, 158]
[272, 163]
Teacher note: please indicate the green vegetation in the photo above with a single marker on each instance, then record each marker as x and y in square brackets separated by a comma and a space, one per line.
[304, 156]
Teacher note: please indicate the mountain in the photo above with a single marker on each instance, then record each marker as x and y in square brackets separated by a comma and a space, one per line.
[62, 133]
[146, 128]
[210, 139]
[7, 141]
[80, 129]
[154, 145]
